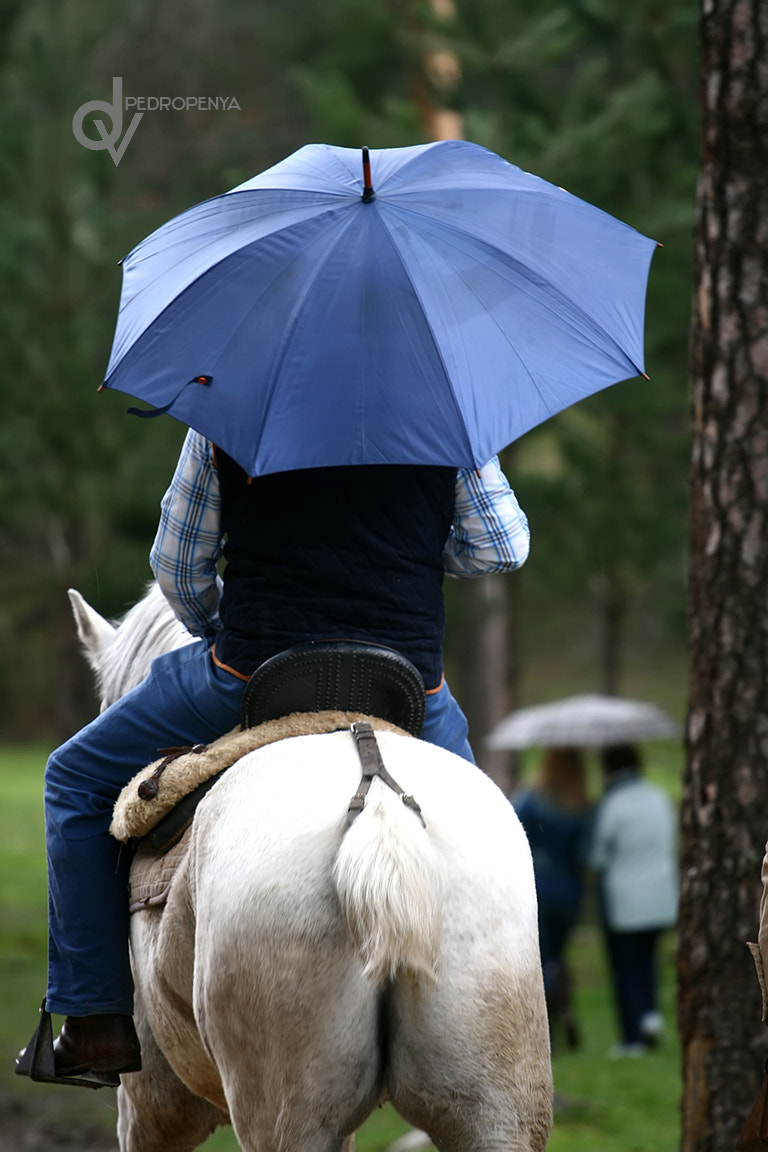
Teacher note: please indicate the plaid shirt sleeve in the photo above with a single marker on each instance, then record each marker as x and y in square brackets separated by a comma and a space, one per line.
[188, 541]
[490, 530]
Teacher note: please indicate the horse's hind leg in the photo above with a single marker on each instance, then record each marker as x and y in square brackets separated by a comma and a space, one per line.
[156, 1112]
[473, 1071]
[469, 1059]
[309, 1073]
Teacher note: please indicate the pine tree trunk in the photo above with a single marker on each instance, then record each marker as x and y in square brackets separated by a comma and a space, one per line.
[725, 793]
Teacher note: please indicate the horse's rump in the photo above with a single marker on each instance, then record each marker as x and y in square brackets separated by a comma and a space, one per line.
[277, 823]
[273, 834]
[389, 879]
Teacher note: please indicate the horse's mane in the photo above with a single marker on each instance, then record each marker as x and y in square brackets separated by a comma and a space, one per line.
[148, 629]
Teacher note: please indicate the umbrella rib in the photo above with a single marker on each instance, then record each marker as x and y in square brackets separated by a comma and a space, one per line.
[508, 260]
[436, 345]
[282, 350]
[511, 346]
[150, 332]
[135, 257]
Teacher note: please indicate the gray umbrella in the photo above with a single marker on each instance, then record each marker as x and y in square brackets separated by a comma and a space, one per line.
[587, 721]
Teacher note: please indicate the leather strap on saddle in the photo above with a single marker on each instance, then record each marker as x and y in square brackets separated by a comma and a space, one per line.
[336, 675]
[373, 765]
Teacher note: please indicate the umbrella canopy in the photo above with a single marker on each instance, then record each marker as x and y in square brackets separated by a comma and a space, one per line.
[408, 305]
[587, 721]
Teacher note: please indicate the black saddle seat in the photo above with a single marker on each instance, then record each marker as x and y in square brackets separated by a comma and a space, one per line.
[336, 676]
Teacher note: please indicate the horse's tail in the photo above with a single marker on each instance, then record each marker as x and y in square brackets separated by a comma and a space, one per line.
[391, 882]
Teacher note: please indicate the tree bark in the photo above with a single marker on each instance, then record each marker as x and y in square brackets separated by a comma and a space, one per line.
[725, 788]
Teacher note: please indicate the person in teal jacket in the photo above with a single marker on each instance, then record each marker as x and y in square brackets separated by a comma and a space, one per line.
[634, 853]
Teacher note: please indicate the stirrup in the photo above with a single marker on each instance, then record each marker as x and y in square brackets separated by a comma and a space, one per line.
[36, 1061]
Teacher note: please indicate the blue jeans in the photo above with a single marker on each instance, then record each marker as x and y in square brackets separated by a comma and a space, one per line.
[184, 700]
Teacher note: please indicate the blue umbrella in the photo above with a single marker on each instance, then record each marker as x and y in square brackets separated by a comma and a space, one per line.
[412, 305]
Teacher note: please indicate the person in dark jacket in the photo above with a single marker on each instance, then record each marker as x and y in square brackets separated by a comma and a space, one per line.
[357, 553]
[556, 813]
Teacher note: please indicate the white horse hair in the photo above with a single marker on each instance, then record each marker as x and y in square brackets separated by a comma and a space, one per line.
[120, 655]
[301, 973]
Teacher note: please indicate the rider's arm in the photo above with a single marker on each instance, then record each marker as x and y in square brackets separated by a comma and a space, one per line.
[490, 530]
[188, 540]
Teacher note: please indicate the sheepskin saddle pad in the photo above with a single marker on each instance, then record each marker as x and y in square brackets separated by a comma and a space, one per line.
[158, 805]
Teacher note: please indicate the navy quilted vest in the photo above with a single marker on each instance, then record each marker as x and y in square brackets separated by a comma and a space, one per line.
[349, 553]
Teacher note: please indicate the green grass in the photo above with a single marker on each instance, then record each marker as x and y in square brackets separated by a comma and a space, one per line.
[603, 1105]
[22, 892]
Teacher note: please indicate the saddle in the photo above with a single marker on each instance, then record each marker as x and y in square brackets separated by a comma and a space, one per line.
[351, 677]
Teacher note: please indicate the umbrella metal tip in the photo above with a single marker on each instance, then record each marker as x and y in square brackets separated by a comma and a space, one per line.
[368, 192]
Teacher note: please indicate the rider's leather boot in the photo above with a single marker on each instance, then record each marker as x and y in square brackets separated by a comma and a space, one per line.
[103, 1043]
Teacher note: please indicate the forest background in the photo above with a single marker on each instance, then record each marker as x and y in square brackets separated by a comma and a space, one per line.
[597, 97]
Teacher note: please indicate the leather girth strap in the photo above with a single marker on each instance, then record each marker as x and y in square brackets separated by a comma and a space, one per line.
[373, 765]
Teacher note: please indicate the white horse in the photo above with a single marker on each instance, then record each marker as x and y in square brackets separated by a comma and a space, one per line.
[301, 973]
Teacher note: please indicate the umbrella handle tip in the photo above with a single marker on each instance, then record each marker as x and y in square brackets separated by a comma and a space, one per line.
[368, 192]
